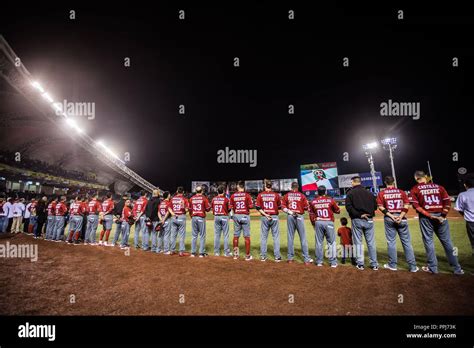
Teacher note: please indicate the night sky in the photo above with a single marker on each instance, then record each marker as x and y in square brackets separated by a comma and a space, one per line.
[282, 62]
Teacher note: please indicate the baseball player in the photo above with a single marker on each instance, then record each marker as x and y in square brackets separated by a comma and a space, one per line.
[60, 213]
[240, 205]
[51, 220]
[267, 204]
[127, 222]
[107, 220]
[432, 203]
[165, 211]
[198, 206]
[179, 206]
[139, 208]
[220, 209]
[324, 207]
[294, 203]
[75, 220]
[93, 208]
[394, 204]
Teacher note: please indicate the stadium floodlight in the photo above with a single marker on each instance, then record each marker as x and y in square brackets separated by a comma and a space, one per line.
[390, 144]
[74, 125]
[369, 149]
[47, 97]
[57, 107]
[36, 85]
[370, 146]
[108, 150]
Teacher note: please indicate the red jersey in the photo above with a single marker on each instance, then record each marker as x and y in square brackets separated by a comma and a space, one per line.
[139, 206]
[126, 213]
[393, 199]
[76, 208]
[269, 201]
[346, 235]
[241, 203]
[94, 207]
[295, 201]
[324, 208]
[163, 207]
[220, 205]
[107, 206]
[60, 209]
[179, 204]
[198, 205]
[52, 208]
[430, 198]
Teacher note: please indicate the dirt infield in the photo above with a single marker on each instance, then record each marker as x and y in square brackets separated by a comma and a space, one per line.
[104, 281]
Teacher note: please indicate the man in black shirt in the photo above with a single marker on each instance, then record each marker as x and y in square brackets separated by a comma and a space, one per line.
[118, 223]
[361, 206]
[151, 213]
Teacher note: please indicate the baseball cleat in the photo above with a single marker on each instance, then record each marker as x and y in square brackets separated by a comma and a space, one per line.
[319, 265]
[290, 261]
[192, 255]
[263, 259]
[248, 258]
[427, 269]
[334, 265]
[235, 257]
[386, 266]
[278, 259]
[217, 254]
[360, 267]
[183, 253]
[203, 255]
[167, 253]
[414, 270]
[460, 272]
[374, 268]
[227, 255]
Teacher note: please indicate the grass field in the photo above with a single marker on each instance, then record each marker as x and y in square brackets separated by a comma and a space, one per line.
[458, 235]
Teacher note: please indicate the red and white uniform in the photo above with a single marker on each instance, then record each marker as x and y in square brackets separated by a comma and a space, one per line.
[163, 207]
[107, 206]
[94, 207]
[430, 198]
[269, 201]
[393, 199]
[51, 208]
[241, 203]
[126, 213]
[295, 201]
[139, 206]
[323, 208]
[198, 205]
[179, 204]
[220, 205]
[60, 209]
[76, 208]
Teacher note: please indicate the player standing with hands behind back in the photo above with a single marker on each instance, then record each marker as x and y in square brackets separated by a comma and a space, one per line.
[240, 205]
[394, 204]
[198, 206]
[267, 204]
[432, 203]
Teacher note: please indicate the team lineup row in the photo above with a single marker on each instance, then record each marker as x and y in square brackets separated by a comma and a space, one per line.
[163, 219]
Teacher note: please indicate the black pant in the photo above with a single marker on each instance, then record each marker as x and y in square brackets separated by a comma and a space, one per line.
[39, 226]
[26, 223]
[470, 233]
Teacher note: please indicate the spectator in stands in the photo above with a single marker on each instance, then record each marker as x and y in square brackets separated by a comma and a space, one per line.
[18, 211]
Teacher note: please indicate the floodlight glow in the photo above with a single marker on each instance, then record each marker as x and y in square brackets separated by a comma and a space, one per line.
[370, 146]
[389, 141]
[74, 125]
[37, 86]
[47, 97]
[57, 107]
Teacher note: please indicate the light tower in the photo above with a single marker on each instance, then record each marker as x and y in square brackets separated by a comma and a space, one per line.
[390, 144]
[369, 149]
